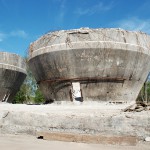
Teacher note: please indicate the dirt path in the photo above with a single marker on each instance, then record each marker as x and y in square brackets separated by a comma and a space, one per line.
[23, 142]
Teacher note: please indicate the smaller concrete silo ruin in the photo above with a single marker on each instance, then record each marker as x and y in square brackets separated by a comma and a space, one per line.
[91, 64]
[12, 75]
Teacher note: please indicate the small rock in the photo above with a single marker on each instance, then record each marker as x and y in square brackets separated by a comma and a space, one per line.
[128, 116]
[140, 109]
[130, 108]
[142, 104]
[148, 108]
[133, 107]
[147, 139]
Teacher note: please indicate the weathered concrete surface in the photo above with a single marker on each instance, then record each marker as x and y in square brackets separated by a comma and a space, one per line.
[12, 75]
[106, 120]
[97, 57]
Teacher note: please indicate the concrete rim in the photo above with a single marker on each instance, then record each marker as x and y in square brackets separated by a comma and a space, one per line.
[13, 67]
[79, 45]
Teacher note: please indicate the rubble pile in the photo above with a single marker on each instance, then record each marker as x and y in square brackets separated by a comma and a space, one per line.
[138, 107]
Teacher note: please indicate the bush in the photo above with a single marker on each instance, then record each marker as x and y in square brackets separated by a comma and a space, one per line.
[39, 98]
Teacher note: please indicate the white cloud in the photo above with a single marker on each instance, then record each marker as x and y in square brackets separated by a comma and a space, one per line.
[97, 8]
[19, 33]
[134, 24]
[62, 11]
[2, 50]
[15, 33]
[2, 36]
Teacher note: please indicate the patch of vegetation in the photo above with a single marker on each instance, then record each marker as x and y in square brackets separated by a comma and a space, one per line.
[29, 92]
[144, 95]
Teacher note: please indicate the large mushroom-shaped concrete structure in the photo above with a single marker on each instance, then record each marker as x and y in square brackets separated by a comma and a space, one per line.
[93, 64]
[12, 75]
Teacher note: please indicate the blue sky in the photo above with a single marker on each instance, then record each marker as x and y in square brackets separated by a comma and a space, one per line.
[23, 21]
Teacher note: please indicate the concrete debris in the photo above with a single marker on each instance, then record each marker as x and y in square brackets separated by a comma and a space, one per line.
[140, 106]
[147, 139]
[140, 109]
[6, 114]
[131, 107]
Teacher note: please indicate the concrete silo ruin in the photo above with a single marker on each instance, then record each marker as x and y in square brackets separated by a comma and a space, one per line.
[12, 75]
[91, 64]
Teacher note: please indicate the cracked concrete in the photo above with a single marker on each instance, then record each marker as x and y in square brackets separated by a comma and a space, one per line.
[94, 120]
[12, 75]
[91, 55]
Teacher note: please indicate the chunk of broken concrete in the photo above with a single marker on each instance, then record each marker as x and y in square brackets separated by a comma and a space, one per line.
[147, 139]
[140, 109]
[133, 107]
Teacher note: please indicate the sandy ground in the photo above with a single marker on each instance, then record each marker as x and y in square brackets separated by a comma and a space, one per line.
[24, 142]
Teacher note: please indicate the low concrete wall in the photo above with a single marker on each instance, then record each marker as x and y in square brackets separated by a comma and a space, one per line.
[28, 119]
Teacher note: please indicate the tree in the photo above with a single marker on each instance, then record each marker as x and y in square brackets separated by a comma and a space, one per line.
[27, 91]
[21, 96]
[39, 98]
[144, 95]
